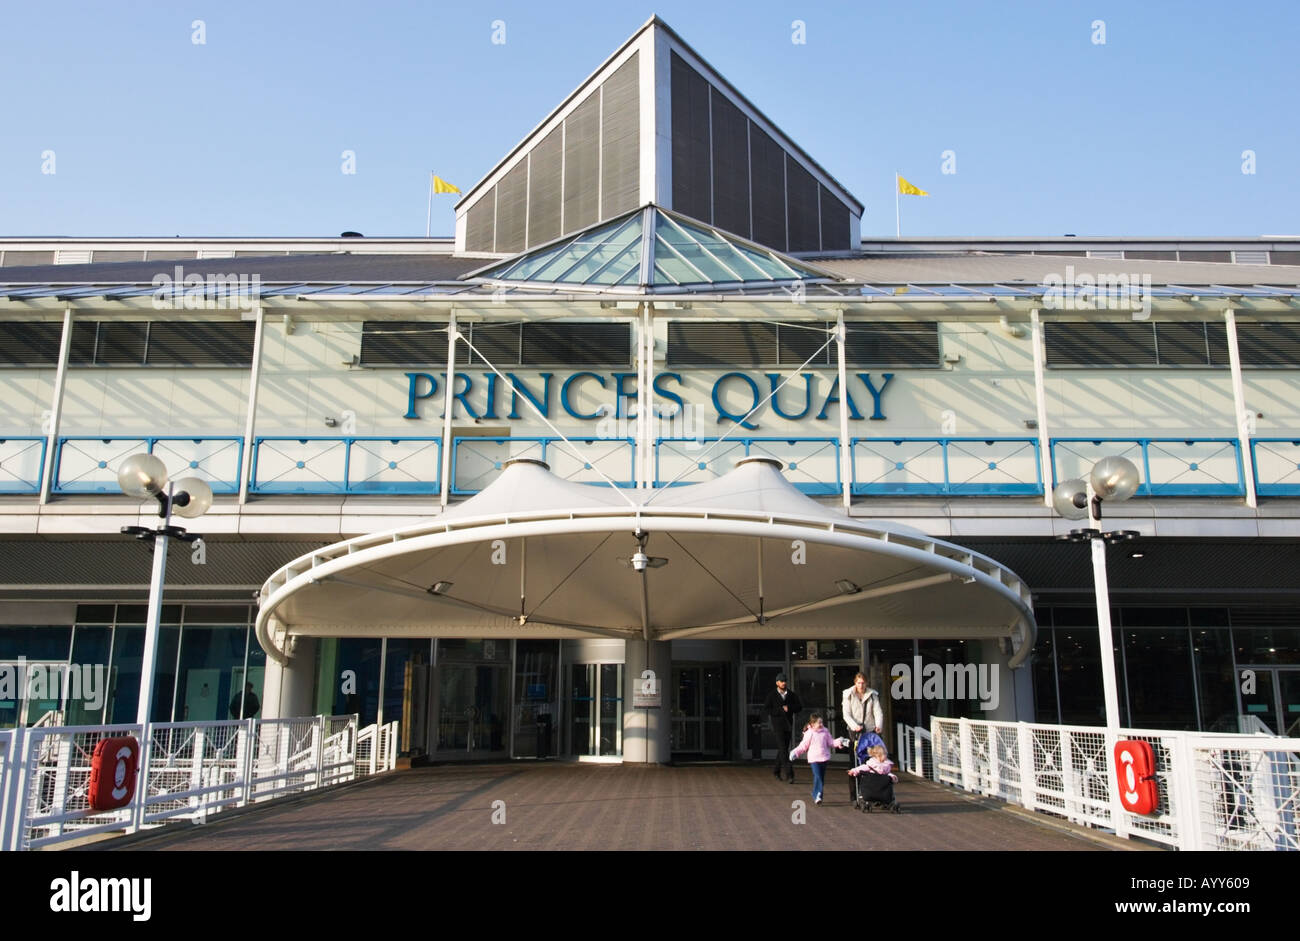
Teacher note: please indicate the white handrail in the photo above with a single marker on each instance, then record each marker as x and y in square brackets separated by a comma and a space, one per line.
[188, 771]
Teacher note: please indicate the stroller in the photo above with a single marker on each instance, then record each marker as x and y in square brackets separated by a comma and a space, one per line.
[874, 790]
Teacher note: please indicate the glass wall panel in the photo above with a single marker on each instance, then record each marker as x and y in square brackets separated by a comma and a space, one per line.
[1216, 682]
[536, 698]
[355, 679]
[1160, 682]
[1267, 645]
[49, 644]
[90, 651]
[1044, 675]
[401, 652]
[211, 665]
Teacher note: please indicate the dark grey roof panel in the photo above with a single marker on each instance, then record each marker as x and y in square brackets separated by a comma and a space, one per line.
[270, 268]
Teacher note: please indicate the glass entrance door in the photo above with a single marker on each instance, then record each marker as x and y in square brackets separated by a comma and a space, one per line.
[473, 703]
[596, 710]
[819, 688]
[699, 694]
[1273, 698]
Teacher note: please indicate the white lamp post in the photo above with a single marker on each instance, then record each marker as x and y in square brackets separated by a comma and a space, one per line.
[143, 476]
[1112, 478]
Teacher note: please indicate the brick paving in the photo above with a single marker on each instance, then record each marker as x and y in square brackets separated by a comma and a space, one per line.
[561, 806]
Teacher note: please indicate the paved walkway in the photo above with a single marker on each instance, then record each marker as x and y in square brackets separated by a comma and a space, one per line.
[561, 806]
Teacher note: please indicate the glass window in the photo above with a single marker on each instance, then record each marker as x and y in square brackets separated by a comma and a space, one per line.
[401, 651]
[212, 662]
[1044, 667]
[90, 650]
[35, 643]
[773, 650]
[1078, 671]
[469, 650]
[536, 698]
[360, 655]
[824, 650]
[1159, 672]
[1212, 655]
[1266, 645]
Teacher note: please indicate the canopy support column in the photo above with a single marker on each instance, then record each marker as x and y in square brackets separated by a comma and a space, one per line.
[846, 474]
[56, 409]
[1239, 400]
[1040, 400]
[444, 475]
[646, 731]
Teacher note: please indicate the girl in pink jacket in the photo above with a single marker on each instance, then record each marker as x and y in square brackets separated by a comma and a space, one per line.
[819, 744]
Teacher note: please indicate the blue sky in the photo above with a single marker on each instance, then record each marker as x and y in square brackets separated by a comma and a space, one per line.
[1052, 132]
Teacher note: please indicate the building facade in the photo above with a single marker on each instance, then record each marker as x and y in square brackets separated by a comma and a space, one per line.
[657, 240]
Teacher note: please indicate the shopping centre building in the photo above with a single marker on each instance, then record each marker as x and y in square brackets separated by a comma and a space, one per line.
[655, 239]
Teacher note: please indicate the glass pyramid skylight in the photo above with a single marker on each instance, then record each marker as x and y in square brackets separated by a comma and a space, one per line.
[683, 254]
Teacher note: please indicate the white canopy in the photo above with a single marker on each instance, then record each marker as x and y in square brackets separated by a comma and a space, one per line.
[745, 555]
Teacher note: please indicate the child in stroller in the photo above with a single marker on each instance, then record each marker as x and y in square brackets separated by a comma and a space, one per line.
[876, 780]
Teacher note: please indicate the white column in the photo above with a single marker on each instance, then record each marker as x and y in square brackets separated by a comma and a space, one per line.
[1040, 398]
[56, 407]
[644, 409]
[152, 627]
[447, 403]
[846, 474]
[288, 688]
[1239, 402]
[250, 419]
[646, 731]
[1110, 687]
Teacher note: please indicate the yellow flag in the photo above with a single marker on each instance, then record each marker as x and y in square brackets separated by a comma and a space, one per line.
[903, 187]
[442, 186]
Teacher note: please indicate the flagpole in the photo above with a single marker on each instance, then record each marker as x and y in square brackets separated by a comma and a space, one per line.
[898, 225]
[428, 216]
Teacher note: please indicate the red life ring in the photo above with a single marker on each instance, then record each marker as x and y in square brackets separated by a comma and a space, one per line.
[113, 769]
[1135, 772]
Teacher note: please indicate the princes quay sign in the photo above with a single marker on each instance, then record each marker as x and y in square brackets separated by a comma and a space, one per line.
[806, 396]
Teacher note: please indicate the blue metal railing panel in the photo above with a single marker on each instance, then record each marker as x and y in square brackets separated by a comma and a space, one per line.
[946, 466]
[22, 464]
[1169, 467]
[349, 464]
[89, 463]
[476, 462]
[1277, 466]
[811, 464]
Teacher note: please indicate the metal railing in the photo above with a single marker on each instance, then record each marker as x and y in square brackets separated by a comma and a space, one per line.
[1217, 791]
[915, 754]
[376, 749]
[188, 771]
[1169, 467]
[88, 464]
[348, 465]
[965, 466]
[22, 464]
[477, 461]
[1277, 466]
[811, 464]
[972, 465]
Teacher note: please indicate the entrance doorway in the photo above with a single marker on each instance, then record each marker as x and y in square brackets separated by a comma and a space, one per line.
[596, 710]
[819, 687]
[473, 703]
[1274, 698]
[699, 710]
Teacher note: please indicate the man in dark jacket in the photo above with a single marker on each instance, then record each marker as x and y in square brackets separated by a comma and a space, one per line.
[782, 705]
